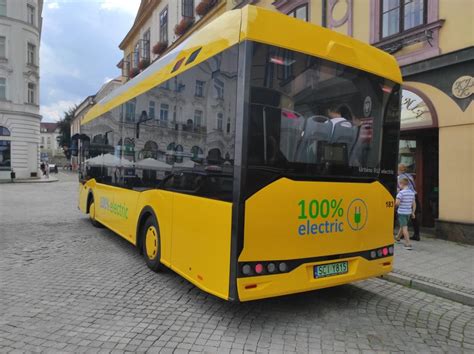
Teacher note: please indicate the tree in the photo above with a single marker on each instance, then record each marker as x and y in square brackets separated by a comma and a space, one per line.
[64, 126]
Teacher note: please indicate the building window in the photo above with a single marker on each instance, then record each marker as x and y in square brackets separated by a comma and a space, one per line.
[136, 55]
[130, 107]
[3, 89]
[220, 118]
[228, 125]
[31, 54]
[5, 161]
[3, 7]
[300, 12]
[164, 26]
[146, 45]
[199, 88]
[4, 131]
[127, 65]
[31, 93]
[187, 8]
[219, 86]
[3, 47]
[31, 12]
[164, 110]
[197, 118]
[151, 110]
[401, 15]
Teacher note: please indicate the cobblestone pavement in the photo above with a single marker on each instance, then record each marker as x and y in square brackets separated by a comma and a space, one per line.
[66, 286]
[440, 262]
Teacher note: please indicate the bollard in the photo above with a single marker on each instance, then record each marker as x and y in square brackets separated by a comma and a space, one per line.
[12, 175]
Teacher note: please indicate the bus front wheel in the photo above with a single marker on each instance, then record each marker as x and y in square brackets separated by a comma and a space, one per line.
[92, 215]
[151, 244]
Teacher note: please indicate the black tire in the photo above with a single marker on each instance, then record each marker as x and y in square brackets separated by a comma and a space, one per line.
[151, 254]
[92, 214]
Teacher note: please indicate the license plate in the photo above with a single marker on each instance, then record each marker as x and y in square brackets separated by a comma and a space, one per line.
[327, 270]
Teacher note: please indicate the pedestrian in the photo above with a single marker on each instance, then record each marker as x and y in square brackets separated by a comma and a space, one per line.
[43, 168]
[402, 173]
[406, 205]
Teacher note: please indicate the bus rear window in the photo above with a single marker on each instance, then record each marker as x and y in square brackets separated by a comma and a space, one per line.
[312, 118]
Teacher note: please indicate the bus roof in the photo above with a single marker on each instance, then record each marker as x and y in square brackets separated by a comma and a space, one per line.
[259, 25]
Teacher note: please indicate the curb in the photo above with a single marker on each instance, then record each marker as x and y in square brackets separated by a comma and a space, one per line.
[49, 180]
[433, 289]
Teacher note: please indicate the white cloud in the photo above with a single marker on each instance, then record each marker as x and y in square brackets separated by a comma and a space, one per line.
[53, 5]
[55, 111]
[130, 6]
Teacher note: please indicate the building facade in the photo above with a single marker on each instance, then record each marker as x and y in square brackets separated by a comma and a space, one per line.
[49, 145]
[20, 33]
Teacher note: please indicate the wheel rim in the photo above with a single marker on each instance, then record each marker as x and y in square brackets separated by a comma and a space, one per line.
[151, 242]
[92, 211]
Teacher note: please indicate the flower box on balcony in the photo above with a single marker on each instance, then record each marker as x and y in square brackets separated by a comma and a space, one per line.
[143, 64]
[133, 72]
[204, 6]
[159, 47]
[183, 26]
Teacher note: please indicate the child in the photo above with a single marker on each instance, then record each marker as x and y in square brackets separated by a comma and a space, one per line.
[406, 207]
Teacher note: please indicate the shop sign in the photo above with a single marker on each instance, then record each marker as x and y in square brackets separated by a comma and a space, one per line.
[415, 112]
[463, 87]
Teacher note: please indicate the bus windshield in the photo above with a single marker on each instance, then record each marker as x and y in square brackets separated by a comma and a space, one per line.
[313, 118]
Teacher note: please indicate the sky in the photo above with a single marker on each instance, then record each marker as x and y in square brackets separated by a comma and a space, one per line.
[79, 50]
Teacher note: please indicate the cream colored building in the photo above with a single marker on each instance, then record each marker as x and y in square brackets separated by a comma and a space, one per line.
[20, 33]
[49, 145]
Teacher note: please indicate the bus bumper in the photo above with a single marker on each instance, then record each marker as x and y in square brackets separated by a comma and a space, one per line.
[302, 278]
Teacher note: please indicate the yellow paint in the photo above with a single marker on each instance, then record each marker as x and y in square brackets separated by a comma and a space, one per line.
[457, 31]
[201, 242]
[272, 220]
[456, 173]
[162, 204]
[456, 155]
[151, 240]
[264, 26]
[448, 111]
[271, 233]
[189, 245]
[92, 211]
[302, 279]
[361, 21]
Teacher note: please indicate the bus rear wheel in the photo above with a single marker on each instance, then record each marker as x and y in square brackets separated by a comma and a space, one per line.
[151, 244]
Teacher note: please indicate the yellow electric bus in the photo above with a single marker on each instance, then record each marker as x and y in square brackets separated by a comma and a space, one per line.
[256, 159]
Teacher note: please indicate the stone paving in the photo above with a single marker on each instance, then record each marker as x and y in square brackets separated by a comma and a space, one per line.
[66, 286]
[440, 262]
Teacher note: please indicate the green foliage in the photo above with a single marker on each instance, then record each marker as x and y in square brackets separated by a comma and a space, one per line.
[65, 130]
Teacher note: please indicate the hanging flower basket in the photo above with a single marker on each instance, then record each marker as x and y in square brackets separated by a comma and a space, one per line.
[204, 6]
[143, 64]
[159, 47]
[183, 26]
[133, 72]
